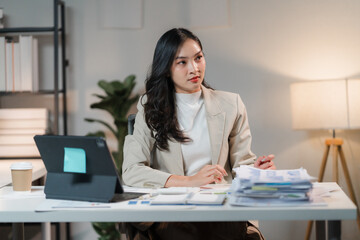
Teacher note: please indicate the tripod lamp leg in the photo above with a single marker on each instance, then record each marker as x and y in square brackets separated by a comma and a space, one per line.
[321, 177]
[348, 182]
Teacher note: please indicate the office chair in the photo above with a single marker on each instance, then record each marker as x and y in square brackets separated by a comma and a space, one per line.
[131, 122]
[127, 228]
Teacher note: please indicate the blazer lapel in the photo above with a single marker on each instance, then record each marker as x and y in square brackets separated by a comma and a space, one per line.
[216, 123]
[176, 157]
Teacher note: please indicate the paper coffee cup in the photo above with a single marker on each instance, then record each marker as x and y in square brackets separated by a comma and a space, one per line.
[21, 173]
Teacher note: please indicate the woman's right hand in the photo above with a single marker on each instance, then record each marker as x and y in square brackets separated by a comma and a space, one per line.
[208, 174]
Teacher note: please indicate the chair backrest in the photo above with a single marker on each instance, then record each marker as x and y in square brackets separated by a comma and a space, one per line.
[131, 122]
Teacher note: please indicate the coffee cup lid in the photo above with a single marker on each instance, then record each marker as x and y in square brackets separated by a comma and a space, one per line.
[21, 166]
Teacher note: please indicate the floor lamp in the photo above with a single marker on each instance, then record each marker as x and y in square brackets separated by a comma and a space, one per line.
[328, 105]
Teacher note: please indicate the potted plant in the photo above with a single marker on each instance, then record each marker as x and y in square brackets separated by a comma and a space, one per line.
[116, 101]
[107, 230]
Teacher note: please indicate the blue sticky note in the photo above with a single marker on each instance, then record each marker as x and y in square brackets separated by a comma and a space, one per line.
[74, 160]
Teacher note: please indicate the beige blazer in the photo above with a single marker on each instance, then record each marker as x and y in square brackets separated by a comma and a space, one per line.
[230, 140]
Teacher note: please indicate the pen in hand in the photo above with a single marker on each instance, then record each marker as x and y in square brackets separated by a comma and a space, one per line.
[265, 162]
[267, 158]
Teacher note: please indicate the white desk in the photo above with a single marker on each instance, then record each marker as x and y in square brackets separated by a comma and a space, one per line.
[39, 170]
[339, 207]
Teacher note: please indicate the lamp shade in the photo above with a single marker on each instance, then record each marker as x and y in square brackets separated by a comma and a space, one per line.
[354, 103]
[325, 104]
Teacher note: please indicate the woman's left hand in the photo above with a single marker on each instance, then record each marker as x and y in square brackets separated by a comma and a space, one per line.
[265, 162]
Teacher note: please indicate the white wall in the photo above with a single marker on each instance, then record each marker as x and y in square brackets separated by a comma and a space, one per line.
[267, 45]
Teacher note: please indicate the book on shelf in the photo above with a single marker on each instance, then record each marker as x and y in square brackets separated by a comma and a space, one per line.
[23, 139]
[19, 151]
[29, 63]
[24, 123]
[35, 65]
[26, 62]
[1, 18]
[17, 124]
[19, 70]
[24, 113]
[16, 80]
[23, 131]
[2, 65]
[9, 65]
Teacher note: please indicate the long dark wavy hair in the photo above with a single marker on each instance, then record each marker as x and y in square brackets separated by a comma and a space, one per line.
[160, 111]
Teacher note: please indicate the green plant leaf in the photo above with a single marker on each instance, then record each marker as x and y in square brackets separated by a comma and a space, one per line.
[99, 96]
[107, 87]
[107, 230]
[130, 78]
[124, 108]
[103, 123]
[97, 229]
[117, 85]
[89, 120]
[129, 84]
[106, 104]
[96, 134]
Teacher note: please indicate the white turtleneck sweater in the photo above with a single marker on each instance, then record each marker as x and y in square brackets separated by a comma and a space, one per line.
[191, 116]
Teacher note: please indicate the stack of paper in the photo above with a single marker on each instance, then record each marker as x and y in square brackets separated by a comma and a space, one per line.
[18, 126]
[256, 187]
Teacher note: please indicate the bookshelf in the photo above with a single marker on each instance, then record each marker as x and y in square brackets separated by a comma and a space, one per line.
[60, 63]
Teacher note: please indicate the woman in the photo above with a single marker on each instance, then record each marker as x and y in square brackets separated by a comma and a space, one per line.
[185, 133]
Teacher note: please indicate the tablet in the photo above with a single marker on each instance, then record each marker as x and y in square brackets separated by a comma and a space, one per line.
[80, 168]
